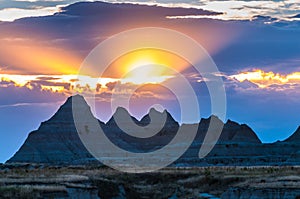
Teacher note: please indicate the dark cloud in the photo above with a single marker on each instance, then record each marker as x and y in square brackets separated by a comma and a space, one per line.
[233, 45]
[98, 87]
[66, 86]
[111, 85]
[11, 95]
[47, 78]
[6, 84]
[33, 4]
[103, 9]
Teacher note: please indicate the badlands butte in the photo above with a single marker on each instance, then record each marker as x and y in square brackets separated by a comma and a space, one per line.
[57, 142]
[53, 163]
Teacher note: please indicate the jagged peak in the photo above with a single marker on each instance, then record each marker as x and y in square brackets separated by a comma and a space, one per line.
[154, 110]
[76, 99]
[215, 117]
[65, 111]
[120, 112]
[120, 109]
[208, 119]
[245, 126]
[231, 123]
[124, 110]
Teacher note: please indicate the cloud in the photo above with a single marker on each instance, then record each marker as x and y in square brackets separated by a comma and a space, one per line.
[10, 14]
[232, 10]
[54, 83]
[65, 85]
[57, 49]
[246, 9]
[269, 80]
[111, 85]
[21, 96]
[12, 10]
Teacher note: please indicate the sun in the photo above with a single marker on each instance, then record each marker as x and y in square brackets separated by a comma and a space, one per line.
[148, 72]
[146, 66]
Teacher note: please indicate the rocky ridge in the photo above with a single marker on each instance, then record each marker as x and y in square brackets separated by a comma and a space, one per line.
[56, 141]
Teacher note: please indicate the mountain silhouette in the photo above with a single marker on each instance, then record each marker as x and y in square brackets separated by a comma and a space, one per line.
[295, 137]
[56, 141]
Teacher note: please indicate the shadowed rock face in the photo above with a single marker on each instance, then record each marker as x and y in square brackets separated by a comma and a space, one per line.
[162, 123]
[232, 132]
[295, 137]
[294, 140]
[238, 133]
[56, 141]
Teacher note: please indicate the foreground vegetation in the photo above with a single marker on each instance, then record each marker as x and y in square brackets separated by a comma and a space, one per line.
[39, 181]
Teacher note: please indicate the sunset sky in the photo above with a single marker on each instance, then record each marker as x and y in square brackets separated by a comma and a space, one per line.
[255, 45]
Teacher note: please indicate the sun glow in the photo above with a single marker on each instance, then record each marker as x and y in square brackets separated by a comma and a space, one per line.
[37, 54]
[138, 67]
[147, 73]
[147, 66]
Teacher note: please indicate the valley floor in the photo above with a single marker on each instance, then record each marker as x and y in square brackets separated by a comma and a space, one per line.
[39, 181]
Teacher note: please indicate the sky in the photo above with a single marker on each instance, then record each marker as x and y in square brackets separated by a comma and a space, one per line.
[254, 44]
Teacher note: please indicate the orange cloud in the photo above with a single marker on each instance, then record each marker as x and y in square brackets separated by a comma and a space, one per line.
[33, 52]
[266, 79]
[58, 83]
[68, 84]
[36, 58]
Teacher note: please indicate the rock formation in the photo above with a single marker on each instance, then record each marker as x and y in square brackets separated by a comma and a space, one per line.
[56, 141]
[295, 137]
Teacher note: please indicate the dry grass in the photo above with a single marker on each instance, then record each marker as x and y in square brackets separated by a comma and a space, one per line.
[185, 182]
